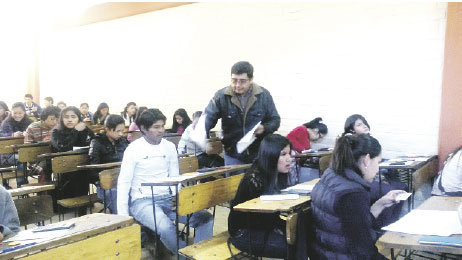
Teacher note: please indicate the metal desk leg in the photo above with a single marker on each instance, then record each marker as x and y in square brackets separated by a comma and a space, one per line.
[177, 219]
[392, 252]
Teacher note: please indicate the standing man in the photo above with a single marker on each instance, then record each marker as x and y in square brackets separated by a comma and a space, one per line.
[32, 109]
[146, 159]
[241, 105]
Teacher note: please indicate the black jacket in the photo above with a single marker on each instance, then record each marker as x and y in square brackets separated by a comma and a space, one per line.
[235, 122]
[63, 140]
[103, 151]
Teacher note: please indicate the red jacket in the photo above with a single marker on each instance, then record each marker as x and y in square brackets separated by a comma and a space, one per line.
[299, 138]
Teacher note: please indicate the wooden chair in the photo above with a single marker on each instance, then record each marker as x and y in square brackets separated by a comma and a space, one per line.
[108, 180]
[34, 209]
[27, 153]
[188, 164]
[68, 164]
[202, 196]
[425, 174]
[214, 146]
[324, 163]
[6, 149]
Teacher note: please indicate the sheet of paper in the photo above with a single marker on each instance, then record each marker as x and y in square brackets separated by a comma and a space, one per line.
[279, 197]
[428, 222]
[306, 187]
[403, 196]
[247, 140]
[29, 236]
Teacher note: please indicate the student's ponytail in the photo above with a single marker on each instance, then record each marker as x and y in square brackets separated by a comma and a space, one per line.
[349, 149]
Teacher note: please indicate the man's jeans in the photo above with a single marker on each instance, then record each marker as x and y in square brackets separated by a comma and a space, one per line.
[141, 210]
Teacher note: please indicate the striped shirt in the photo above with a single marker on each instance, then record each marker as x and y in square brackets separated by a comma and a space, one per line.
[37, 133]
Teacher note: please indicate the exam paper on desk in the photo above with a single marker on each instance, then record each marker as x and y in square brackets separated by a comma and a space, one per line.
[428, 222]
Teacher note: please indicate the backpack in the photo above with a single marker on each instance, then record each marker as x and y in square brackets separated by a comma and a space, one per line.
[449, 179]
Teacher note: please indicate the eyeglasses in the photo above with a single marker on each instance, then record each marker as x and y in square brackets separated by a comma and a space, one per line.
[241, 81]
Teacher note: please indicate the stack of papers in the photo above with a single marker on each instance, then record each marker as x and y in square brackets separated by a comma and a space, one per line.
[279, 197]
[302, 189]
[428, 222]
[247, 140]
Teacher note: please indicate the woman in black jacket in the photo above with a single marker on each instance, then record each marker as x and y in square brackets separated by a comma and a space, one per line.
[267, 175]
[109, 147]
[71, 132]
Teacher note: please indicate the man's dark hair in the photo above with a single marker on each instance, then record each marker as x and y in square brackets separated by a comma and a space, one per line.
[243, 67]
[112, 121]
[149, 117]
[84, 104]
[50, 111]
[49, 99]
[28, 96]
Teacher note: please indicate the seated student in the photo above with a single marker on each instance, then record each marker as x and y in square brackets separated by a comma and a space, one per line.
[181, 120]
[343, 219]
[129, 113]
[109, 147]
[101, 113]
[9, 220]
[40, 131]
[133, 126]
[145, 160]
[4, 111]
[186, 145]
[32, 109]
[268, 175]
[69, 133]
[85, 115]
[357, 124]
[14, 126]
[61, 105]
[48, 102]
[302, 135]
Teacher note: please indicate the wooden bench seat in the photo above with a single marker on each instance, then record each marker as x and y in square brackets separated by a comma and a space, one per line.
[81, 201]
[213, 248]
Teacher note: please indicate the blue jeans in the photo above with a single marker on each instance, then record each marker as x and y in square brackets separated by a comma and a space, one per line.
[141, 210]
[111, 198]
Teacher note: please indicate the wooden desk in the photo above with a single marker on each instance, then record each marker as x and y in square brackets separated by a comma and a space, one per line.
[30, 189]
[52, 155]
[411, 242]
[313, 154]
[406, 173]
[257, 205]
[302, 157]
[96, 236]
[101, 166]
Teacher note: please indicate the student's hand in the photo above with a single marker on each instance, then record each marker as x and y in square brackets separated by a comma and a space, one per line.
[18, 134]
[86, 119]
[80, 126]
[386, 201]
[260, 130]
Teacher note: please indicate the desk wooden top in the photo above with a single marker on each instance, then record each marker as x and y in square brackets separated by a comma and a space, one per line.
[30, 189]
[257, 205]
[415, 165]
[85, 227]
[184, 178]
[313, 154]
[19, 146]
[101, 166]
[52, 155]
[410, 241]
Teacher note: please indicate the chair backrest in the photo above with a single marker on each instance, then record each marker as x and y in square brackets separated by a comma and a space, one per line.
[29, 154]
[324, 163]
[34, 209]
[188, 164]
[68, 163]
[6, 142]
[205, 195]
[425, 173]
[108, 178]
[214, 147]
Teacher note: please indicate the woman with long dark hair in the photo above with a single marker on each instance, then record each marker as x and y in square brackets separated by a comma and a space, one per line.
[267, 175]
[4, 111]
[129, 113]
[343, 218]
[301, 136]
[101, 113]
[181, 120]
[133, 126]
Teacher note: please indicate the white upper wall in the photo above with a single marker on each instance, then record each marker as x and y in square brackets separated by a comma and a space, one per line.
[381, 60]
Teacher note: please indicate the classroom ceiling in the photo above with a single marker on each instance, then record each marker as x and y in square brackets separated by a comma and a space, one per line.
[109, 11]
